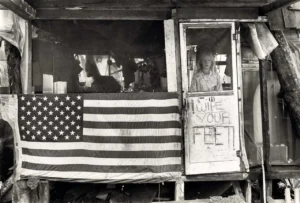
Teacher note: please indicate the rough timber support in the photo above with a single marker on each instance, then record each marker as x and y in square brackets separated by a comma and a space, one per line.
[19, 7]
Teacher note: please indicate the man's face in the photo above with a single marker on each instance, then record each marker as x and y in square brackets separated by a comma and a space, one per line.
[206, 64]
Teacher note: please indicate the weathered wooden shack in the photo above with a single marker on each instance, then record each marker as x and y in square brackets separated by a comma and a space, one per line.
[151, 112]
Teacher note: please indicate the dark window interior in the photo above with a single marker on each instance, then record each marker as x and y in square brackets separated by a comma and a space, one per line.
[98, 56]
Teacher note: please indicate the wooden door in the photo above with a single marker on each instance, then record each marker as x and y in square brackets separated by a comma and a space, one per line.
[209, 83]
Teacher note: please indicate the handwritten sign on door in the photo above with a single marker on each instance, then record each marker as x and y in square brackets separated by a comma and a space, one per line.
[211, 128]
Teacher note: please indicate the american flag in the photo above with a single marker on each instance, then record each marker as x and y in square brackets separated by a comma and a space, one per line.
[100, 137]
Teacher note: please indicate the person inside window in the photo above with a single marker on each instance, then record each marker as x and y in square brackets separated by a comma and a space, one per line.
[205, 78]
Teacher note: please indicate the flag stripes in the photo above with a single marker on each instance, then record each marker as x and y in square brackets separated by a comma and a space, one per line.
[102, 168]
[131, 118]
[131, 125]
[104, 146]
[133, 96]
[130, 103]
[140, 139]
[102, 161]
[101, 154]
[132, 132]
[121, 137]
[131, 110]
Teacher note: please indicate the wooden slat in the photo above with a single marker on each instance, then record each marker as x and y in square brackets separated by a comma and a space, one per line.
[84, 14]
[217, 13]
[278, 4]
[19, 7]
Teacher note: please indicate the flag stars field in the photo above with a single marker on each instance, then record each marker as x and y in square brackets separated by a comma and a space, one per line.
[53, 111]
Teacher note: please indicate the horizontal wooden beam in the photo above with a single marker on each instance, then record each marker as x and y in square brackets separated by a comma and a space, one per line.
[45, 4]
[218, 3]
[85, 14]
[278, 4]
[189, 201]
[19, 7]
[217, 13]
[216, 177]
[284, 172]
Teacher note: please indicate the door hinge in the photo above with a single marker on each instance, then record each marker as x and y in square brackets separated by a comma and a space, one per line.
[234, 36]
[238, 154]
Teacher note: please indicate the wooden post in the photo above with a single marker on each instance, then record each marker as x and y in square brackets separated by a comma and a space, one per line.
[179, 76]
[237, 189]
[170, 48]
[269, 188]
[26, 62]
[297, 195]
[23, 194]
[287, 194]
[179, 190]
[248, 192]
[263, 69]
[287, 74]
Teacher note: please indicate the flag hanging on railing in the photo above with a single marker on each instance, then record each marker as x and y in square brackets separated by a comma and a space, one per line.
[100, 137]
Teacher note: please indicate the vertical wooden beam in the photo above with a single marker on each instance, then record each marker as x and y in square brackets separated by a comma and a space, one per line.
[248, 192]
[178, 60]
[269, 188]
[179, 76]
[240, 98]
[179, 190]
[26, 62]
[297, 195]
[263, 68]
[170, 55]
[287, 194]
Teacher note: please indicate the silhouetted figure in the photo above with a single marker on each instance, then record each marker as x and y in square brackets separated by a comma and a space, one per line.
[101, 84]
[6, 149]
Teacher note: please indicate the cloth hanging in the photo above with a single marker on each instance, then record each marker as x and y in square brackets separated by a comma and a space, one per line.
[261, 39]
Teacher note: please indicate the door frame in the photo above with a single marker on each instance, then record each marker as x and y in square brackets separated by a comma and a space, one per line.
[236, 80]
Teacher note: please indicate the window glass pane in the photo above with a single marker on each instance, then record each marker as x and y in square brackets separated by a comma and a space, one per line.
[209, 59]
